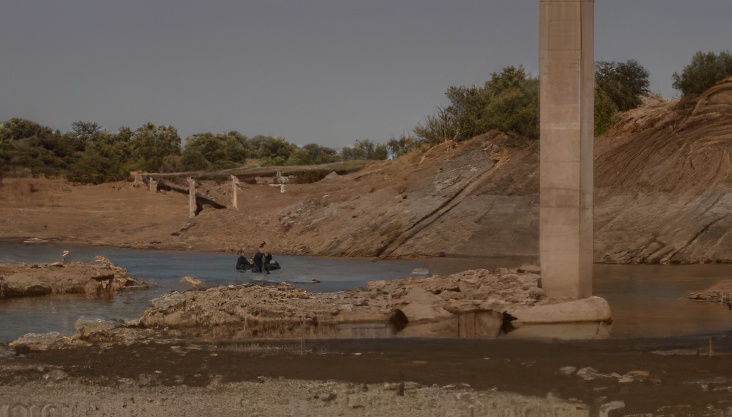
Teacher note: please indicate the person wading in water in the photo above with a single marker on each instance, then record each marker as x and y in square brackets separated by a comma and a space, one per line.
[258, 259]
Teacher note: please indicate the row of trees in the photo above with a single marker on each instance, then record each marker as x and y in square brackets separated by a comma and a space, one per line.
[91, 154]
[87, 154]
[508, 102]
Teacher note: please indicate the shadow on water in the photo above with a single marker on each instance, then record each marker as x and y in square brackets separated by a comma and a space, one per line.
[646, 300]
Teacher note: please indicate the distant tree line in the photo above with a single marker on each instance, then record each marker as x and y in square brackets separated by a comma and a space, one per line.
[91, 154]
[507, 102]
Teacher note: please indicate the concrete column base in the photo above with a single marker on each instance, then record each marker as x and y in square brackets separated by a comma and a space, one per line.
[586, 318]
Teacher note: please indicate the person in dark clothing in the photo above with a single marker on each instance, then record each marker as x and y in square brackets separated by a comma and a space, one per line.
[243, 263]
[267, 261]
[258, 259]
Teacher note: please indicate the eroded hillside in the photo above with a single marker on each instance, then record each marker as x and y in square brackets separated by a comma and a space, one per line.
[663, 193]
[664, 183]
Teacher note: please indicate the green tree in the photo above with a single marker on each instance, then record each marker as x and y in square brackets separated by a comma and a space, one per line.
[623, 83]
[365, 149]
[402, 146]
[271, 150]
[84, 130]
[207, 145]
[467, 111]
[193, 160]
[23, 129]
[6, 134]
[236, 152]
[171, 163]
[605, 111]
[705, 70]
[105, 157]
[92, 168]
[440, 127]
[509, 101]
[150, 145]
[219, 151]
[30, 147]
[514, 106]
[312, 154]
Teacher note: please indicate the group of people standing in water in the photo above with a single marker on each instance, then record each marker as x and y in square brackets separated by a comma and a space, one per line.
[261, 262]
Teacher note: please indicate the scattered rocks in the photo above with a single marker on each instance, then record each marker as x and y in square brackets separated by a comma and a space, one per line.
[271, 397]
[589, 374]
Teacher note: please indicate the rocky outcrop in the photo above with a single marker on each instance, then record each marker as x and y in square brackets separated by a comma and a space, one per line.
[97, 278]
[470, 304]
[477, 303]
[719, 293]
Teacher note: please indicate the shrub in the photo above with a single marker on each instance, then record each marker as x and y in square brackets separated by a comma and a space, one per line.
[705, 70]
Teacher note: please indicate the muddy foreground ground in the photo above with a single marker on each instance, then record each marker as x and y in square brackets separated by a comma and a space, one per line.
[393, 377]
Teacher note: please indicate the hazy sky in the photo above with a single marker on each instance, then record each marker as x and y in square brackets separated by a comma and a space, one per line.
[311, 71]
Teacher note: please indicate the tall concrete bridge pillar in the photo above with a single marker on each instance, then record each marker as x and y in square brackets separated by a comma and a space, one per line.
[566, 74]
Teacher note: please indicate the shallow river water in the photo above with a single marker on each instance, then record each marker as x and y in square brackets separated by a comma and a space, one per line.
[646, 300]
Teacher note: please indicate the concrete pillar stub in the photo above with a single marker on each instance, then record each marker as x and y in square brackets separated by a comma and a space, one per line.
[137, 178]
[191, 197]
[235, 188]
[566, 74]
